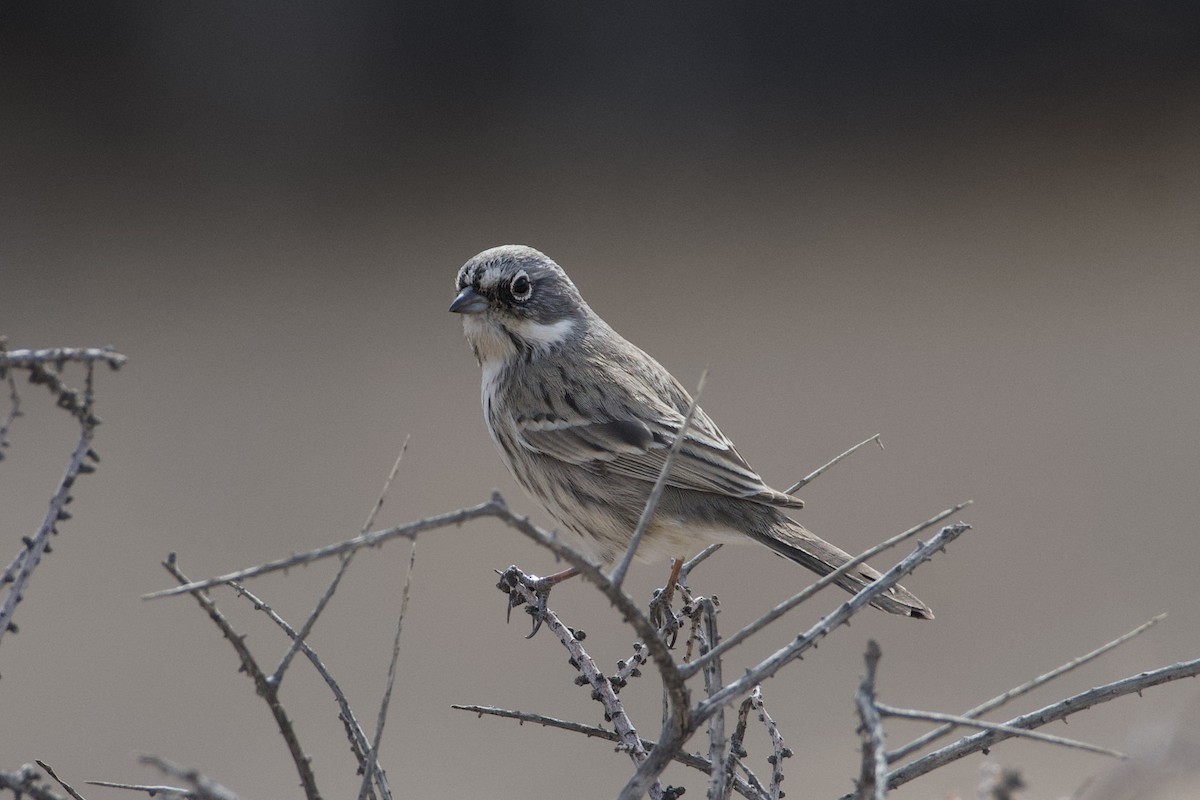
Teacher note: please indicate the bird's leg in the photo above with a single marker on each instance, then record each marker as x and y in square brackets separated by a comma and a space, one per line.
[511, 577]
[661, 615]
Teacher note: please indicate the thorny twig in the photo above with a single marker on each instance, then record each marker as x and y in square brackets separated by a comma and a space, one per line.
[262, 685]
[953, 719]
[872, 779]
[1042, 716]
[45, 367]
[66, 786]
[1002, 698]
[25, 782]
[202, 788]
[373, 754]
[359, 744]
[697, 762]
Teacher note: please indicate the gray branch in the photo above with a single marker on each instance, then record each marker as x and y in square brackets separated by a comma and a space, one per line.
[872, 780]
[262, 685]
[1040, 717]
[1001, 699]
[955, 720]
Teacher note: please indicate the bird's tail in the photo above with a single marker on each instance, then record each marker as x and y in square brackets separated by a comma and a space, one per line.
[792, 540]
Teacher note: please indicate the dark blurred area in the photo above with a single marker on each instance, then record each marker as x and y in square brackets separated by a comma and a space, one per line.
[972, 228]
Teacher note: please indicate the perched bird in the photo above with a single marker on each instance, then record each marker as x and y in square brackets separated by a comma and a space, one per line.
[584, 420]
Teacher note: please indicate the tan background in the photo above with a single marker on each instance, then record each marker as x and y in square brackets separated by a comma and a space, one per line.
[973, 231]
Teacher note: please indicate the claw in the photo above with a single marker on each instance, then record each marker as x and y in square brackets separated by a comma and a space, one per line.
[664, 618]
[542, 589]
[510, 579]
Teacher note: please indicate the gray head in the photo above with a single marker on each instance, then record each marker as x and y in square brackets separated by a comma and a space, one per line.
[515, 300]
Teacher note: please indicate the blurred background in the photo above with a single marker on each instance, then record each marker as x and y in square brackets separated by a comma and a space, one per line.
[971, 228]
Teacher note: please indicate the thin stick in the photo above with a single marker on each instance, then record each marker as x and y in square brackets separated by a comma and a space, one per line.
[202, 787]
[37, 545]
[1001, 699]
[603, 690]
[695, 561]
[872, 781]
[409, 531]
[25, 782]
[261, 685]
[819, 470]
[154, 790]
[58, 355]
[1042, 716]
[953, 719]
[50, 771]
[14, 399]
[306, 629]
[779, 750]
[618, 574]
[359, 743]
[373, 754]
[718, 779]
[592, 731]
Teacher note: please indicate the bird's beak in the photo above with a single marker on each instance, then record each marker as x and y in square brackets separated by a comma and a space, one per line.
[468, 301]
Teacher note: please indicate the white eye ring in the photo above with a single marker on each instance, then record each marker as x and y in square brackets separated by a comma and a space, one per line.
[521, 286]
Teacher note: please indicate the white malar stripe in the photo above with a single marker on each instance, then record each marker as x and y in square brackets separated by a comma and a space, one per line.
[543, 336]
[493, 370]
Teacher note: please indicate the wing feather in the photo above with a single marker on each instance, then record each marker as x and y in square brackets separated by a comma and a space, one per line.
[707, 462]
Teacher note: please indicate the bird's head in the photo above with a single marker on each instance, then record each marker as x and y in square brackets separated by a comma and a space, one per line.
[517, 302]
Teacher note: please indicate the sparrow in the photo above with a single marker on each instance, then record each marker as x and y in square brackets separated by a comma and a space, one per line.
[584, 419]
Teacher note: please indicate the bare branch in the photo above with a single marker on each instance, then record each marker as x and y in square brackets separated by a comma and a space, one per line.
[593, 731]
[1001, 699]
[933, 716]
[18, 574]
[718, 779]
[603, 691]
[816, 473]
[409, 531]
[1040, 717]
[387, 487]
[60, 355]
[779, 750]
[359, 744]
[872, 781]
[264, 687]
[14, 399]
[306, 629]
[24, 781]
[695, 561]
[679, 727]
[496, 507]
[673, 682]
[66, 786]
[202, 787]
[154, 790]
[373, 754]
[617, 577]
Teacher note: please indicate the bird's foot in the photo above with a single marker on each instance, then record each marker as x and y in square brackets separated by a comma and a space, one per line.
[662, 615]
[513, 579]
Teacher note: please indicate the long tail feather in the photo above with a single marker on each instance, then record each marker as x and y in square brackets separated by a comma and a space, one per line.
[792, 540]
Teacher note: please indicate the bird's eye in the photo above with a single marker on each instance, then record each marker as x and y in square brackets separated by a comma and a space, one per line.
[521, 287]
